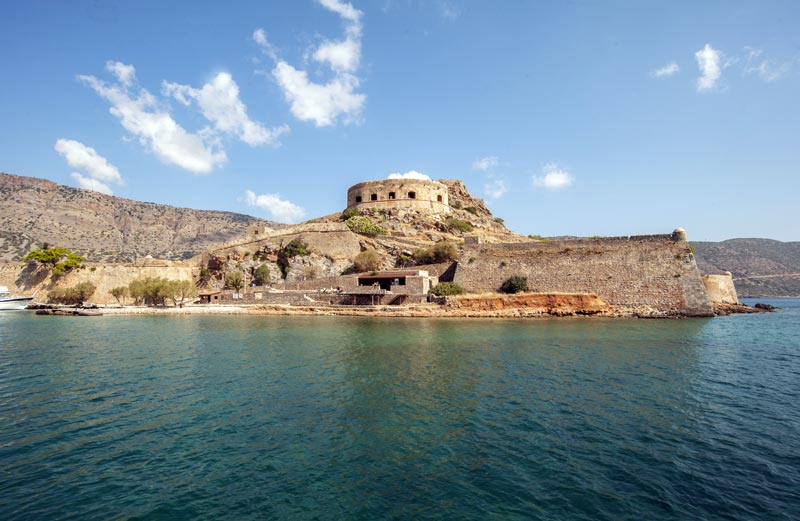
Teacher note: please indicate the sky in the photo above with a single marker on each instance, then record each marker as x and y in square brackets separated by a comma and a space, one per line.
[567, 117]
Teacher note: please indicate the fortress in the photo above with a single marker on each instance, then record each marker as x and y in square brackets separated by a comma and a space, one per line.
[417, 194]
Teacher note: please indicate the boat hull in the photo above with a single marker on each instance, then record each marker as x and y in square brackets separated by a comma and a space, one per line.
[9, 304]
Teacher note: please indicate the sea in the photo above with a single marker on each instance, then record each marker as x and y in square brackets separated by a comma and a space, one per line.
[266, 417]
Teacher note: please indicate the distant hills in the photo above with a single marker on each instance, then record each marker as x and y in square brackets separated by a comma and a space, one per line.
[104, 228]
[760, 267]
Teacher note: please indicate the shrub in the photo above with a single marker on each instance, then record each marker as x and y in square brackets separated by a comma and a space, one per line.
[350, 212]
[310, 273]
[445, 251]
[423, 256]
[403, 261]
[77, 294]
[458, 224]
[296, 248]
[456, 204]
[499, 220]
[234, 281]
[365, 226]
[472, 210]
[447, 288]
[367, 260]
[515, 284]
[261, 275]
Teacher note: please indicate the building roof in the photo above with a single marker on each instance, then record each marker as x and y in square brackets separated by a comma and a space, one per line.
[392, 274]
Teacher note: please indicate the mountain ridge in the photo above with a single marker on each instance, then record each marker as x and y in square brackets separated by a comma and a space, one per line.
[106, 228]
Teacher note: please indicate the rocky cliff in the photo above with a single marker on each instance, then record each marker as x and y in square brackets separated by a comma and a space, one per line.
[104, 228]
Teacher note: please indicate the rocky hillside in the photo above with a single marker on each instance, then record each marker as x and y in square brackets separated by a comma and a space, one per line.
[104, 228]
[760, 267]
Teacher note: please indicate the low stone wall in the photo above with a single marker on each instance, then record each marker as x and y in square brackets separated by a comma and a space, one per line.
[720, 288]
[652, 271]
[29, 279]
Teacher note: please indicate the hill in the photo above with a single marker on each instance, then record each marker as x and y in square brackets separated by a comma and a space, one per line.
[105, 228]
[760, 267]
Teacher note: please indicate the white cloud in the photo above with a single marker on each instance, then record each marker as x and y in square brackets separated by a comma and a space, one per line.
[484, 164]
[88, 183]
[411, 174]
[767, 70]
[279, 209]
[79, 155]
[140, 115]
[554, 177]
[324, 103]
[665, 71]
[219, 101]
[495, 189]
[709, 63]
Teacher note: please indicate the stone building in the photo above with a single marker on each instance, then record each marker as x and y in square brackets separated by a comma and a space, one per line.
[417, 194]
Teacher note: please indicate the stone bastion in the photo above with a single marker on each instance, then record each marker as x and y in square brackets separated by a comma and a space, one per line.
[417, 194]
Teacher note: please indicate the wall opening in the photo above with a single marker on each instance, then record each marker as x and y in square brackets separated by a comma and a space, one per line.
[358, 198]
[391, 195]
[439, 198]
[373, 197]
[412, 195]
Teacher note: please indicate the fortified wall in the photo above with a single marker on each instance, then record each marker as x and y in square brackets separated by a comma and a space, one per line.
[417, 194]
[333, 239]
[720, 288]
[653, 271]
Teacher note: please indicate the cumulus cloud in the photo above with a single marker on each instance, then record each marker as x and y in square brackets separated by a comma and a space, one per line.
[88, 183]
[279, 209]
[153, 126]
[553, 178]
[79, 155]
[219, 101]
[709, 61]
[324, 103]
[411, 174]
[495, 189]
[485, 164]
[665, 71]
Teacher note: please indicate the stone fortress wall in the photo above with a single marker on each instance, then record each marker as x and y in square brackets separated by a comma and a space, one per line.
[417, 194]
[720, 288]
[654, 271]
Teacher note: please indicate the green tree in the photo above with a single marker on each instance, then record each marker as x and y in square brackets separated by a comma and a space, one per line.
[77, 294]
[180, 291]
[460, 225]
[234, 281]
[119, 293]
[58, 260]
[367, 260]
[261, 275]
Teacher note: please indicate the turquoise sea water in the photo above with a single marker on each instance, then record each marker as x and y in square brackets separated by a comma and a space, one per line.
[353, 418]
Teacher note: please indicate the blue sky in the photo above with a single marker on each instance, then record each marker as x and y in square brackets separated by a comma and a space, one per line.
[568, 118]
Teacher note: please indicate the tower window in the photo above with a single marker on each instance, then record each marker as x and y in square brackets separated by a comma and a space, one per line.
[439, 198]
[391, 195]
[358, 198]
[373, 197]
[412, 195]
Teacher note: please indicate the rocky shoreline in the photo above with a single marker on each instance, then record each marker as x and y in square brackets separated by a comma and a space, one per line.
[409, 311]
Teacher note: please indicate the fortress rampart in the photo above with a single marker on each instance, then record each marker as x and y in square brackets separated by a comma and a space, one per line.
[417, 194]
[654, 271]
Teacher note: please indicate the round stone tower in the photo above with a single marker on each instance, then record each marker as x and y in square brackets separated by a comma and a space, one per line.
[417, 194]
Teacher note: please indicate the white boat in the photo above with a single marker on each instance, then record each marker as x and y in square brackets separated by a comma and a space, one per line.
[8, 301]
